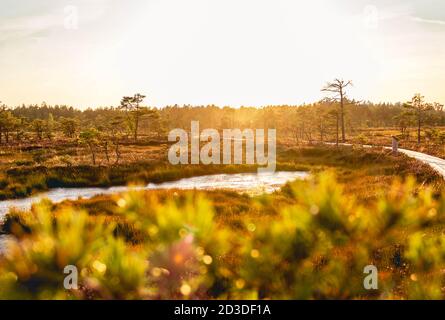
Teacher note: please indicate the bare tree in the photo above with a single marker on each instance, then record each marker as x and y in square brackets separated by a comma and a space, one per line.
[111, 133]
[116, 136]
[338, 88]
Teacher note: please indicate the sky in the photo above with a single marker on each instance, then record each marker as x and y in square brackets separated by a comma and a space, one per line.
[90, 53]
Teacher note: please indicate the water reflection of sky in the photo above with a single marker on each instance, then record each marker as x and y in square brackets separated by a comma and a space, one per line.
[251, 183]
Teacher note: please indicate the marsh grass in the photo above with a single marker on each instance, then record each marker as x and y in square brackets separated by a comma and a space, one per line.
[21, 181]
[309, 241]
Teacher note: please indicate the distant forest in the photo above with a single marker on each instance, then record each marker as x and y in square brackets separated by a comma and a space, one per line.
[318, 121]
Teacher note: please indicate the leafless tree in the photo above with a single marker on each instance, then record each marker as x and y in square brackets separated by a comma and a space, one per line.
[338, 89]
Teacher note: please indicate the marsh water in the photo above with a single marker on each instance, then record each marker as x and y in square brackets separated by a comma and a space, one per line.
[251, 183]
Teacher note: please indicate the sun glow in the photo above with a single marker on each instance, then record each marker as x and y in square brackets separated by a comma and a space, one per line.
[251, 52]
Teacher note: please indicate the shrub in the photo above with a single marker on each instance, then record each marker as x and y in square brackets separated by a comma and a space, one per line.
[315, 247]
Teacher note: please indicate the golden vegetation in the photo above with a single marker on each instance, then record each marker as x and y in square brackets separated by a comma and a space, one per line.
[315, 244]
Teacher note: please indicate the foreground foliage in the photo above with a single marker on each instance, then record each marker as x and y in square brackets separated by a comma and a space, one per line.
[315, 247]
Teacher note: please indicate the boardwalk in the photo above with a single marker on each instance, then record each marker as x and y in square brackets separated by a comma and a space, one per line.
[437, 164]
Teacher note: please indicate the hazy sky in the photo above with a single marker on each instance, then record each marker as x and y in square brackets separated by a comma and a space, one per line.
[225, 52]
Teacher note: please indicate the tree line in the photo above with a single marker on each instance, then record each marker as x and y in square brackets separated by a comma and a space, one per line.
[330, 119]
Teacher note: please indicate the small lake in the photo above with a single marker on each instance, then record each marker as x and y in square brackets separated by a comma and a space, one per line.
[251, 183]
